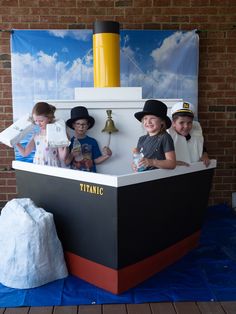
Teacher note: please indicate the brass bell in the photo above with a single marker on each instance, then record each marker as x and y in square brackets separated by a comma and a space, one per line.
[110, 126]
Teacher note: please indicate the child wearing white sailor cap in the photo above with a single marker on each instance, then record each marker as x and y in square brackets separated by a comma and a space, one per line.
[187, 135]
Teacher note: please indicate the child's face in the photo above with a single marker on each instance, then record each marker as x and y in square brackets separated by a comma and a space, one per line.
[80, 127]
[183, 125]
[41, 121]
[152, 124]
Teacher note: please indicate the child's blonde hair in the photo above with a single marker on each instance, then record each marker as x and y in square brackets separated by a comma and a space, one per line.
[163, 126]
[44, 109]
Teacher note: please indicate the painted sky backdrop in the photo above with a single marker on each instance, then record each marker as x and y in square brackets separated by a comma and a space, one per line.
[50, 64]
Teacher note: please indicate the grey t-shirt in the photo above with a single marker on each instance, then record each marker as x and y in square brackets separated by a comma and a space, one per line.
[155, 147]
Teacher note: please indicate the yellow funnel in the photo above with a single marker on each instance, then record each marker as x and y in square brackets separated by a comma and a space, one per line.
[106, 54]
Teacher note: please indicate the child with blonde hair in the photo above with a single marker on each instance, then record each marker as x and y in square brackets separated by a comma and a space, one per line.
[157, 145]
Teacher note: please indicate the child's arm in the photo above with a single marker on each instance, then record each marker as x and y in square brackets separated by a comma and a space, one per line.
[182, 163]
[106, 154]
[68, 159]
[71, 158]
[205, 159]
[25, 151]
[168, 163]
[63, 153]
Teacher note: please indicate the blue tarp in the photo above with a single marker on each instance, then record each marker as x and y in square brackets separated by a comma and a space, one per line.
[207, 273]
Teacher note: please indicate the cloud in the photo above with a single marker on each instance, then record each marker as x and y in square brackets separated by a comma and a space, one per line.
[42, 76]
[128, 51]
[179, 46]
[160, 72]
[84, 35]
[155, 82]
[65, 50]
[172, 72]
[46, 60]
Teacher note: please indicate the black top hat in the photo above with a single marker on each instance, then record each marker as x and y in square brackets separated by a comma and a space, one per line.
[77, 113]
[156, 108]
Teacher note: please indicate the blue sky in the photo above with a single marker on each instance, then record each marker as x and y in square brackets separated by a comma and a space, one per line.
[50, 64]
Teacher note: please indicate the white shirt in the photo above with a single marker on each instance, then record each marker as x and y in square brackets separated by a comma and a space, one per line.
[188, 151]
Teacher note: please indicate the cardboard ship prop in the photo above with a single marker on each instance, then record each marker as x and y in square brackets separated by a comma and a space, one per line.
[118, 228]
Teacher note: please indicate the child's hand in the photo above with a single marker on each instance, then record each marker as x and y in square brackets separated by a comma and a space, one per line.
[77, 164]
[206, 161]
[182, 163]
[145, 162]
[75, 153]
[106, 151]
[88, 163]
[63, 152]
[134, 167]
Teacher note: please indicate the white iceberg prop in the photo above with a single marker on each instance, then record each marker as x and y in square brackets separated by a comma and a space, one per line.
[31, 254]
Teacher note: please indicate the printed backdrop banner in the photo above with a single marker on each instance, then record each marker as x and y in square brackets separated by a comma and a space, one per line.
[50, 64]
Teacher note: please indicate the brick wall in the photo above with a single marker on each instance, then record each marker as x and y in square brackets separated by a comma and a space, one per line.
[216, 20]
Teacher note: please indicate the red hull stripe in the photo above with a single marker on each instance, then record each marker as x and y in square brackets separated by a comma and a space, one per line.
[118, 281]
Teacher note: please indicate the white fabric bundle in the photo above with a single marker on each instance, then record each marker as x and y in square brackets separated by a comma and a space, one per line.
[188, 151]
[31, 254]
[56, 134]
[17, 131]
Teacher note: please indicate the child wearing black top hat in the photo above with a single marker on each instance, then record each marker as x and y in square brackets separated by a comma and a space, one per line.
[84, 152]
[157, 145]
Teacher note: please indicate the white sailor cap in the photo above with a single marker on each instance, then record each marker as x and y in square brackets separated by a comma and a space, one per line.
[183, 107]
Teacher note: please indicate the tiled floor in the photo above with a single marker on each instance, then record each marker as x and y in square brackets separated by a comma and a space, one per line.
[146, 308]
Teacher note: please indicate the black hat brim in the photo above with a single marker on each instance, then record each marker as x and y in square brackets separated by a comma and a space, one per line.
[70, 122]
[139, 115]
